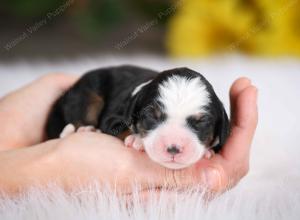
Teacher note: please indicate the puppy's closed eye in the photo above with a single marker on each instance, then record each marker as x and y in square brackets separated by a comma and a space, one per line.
[175, 113]
[151, 116]
[198, 123]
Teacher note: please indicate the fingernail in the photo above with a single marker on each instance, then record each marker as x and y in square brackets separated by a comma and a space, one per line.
[211, 178]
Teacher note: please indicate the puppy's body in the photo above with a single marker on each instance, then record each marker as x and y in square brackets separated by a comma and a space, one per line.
[174, 115]
[100, 98]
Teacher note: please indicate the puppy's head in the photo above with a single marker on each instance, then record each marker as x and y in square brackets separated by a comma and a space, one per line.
[178, 117]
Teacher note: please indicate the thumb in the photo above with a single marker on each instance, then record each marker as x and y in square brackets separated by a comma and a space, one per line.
[208, 173]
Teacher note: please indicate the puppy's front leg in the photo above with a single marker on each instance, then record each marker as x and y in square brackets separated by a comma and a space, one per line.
[134, 141]
[70, 129]
[208, 154]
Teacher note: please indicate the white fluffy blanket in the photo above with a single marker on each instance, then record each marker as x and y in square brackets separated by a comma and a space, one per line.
[271, 190]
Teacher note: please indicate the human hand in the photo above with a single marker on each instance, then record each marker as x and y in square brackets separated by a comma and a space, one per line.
[85, 156]
[124, 166]
[225, 169]
[24, 112]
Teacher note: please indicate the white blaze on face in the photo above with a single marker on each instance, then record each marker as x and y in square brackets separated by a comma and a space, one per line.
[181, 98]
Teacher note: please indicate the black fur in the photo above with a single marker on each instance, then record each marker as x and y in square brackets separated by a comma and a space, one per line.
[141, 112]
[214, 124]
[114, 85]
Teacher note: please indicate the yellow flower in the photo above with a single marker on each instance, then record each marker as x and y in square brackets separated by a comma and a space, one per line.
[266, 27]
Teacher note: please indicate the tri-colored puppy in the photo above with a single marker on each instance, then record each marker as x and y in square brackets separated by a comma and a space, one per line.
[175, 115]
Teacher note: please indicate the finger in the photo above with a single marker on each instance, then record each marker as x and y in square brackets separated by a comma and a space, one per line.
[237, 87]
[54, 84]
[208, 174]
[25, 110]
[238, 143]
[63, 81]
[214, 176]
[222, 172]
[219, 175]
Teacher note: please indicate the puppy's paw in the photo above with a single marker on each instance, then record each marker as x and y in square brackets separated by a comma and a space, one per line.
[89, 128]
[69, 129]
[209, 154]
[134, 141]
[86, 129]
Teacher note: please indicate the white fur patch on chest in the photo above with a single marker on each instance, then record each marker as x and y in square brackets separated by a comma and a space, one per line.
[182, 97]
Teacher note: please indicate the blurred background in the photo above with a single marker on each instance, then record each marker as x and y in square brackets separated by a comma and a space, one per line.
[55, 29]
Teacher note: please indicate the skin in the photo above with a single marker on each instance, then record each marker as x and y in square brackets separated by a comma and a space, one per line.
[27, 160]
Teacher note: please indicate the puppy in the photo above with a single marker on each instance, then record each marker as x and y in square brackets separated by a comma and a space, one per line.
[175, 115]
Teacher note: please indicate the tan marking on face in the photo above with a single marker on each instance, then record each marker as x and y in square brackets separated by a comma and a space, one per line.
[157, 113]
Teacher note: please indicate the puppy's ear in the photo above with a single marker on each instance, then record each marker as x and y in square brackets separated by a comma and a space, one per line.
[222, 129]
[131, 114]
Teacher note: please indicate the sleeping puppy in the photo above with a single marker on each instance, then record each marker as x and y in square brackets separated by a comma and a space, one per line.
[175, 115]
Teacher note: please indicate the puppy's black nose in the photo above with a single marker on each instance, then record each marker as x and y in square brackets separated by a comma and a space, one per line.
[173, 150]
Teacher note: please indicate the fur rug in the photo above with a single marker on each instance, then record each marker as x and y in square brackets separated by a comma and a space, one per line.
[271, 190]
